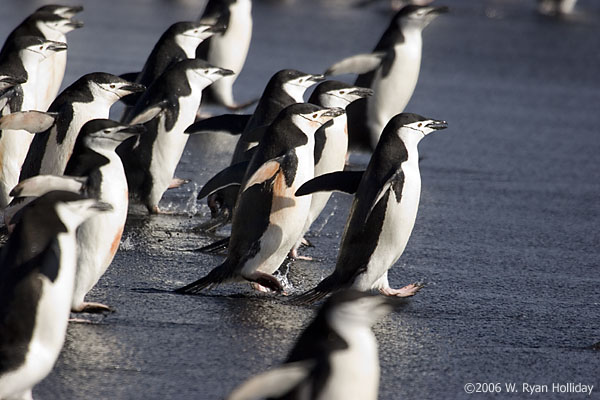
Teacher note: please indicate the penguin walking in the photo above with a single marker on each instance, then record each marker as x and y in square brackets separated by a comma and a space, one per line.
[51, 22]
[227, 49]
[331, 141]
[383, 212]
[177, 43]
[392, 71]
[285, 87]
[94, 156]
[335, 357]
[24, 55]
[268, 218]
[150, 165]
[37, 272]
[90, 97]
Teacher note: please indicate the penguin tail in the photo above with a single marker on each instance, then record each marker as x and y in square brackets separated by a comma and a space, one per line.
[215, 277]
[309, 297]
[215, 247]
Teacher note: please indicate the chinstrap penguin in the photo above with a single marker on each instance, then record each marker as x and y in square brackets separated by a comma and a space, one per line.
[383, 212]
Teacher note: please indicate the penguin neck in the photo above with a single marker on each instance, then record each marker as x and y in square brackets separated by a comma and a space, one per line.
[413, 40]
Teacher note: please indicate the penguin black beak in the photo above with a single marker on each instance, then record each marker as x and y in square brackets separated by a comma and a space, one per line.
[362, 92]
[134, 130]
[57, 46]
[316, 78]
[333, 112]
[225, 72]
[75, 24]
[438, 125]
[439, 10]
[219, 28]
[134, 87]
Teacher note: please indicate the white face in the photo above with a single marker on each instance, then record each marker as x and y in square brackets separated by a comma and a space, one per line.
[341, 97]
[419, 19]
[39, 51]
[108, 138]
[73, 213]
[52, 28]
[191, 38]
[364, 312]
[309, 123]
[202, 77]
[112, 90]
[296, 87]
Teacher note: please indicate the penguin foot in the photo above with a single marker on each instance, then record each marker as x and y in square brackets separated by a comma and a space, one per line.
[293, 254]
[406, 291]
[90, 307]
[177, 182]
[80, 321]
[155, 210]
[266, 281]
[306, 242]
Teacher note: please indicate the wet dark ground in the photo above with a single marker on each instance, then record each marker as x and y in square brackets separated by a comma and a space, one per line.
[506, 239]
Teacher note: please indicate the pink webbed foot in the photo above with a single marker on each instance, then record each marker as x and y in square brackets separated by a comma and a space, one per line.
[406, 291]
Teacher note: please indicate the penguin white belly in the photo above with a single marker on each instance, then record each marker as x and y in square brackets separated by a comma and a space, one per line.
[168, 147]
[13, 150]
[354, 371]
[56, 156]
[286, 221]
[100, 235]
[52, 315]
[393, 91]
[396, 230]
[230, 49]
[51, 71]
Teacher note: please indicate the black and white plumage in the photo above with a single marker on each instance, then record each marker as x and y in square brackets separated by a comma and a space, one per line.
[227, 49]
[90, 97]
[286, 87]
[383, 212]
[37, 271]
[331, 140]
[177, 43]
[177, 93]
[335, 357]
[22, 56]
[391, 70]
[95, 159]
[51, 22]
[268, 218]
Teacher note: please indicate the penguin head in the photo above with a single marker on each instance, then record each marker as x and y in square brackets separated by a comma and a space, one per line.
[337, 94]
[62, 11]
[348, 309]
[109, 86]
[411, 128]
[309, 117]
[294, 82]
[417, 17]
[36, 48]
[107, 134]
[201, 73]
[51, 24]
[188, 35]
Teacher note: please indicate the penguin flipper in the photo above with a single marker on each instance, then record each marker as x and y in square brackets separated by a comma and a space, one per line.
[148, 113]
[215, 277]
[357, 64]
[343, 181]
[232, 175]
[273, 383]
[232, 124]
[39, 185]
[31, 121]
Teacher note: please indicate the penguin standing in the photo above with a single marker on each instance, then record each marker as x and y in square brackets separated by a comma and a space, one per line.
[50, 22]
[177, 43]
[23, 54]
[90, 97]
[383, 212]
[335, 357]
[392, 71]
[150, 165]
[37, 271]
[331, 140]
[268, 218]
[94, 156]
[227, 49]
[286, 87]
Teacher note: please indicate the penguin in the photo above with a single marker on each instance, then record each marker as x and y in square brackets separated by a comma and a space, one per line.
[90, 97]
[392, 71]
[335, 357]
[150, 165]
[24, 54]
[94, 156]
[331, 140]
[268, 219]
[383, 212]
[61, 10]
[227, 49]
[50, 23]
[177, 43]
[285, 87]
[37, 271]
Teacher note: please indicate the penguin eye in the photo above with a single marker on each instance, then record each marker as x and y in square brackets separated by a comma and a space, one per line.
[342, 92]
[107, 131]
[41, 47]
[206, 71]
[315, 116]
[420, 124]
[112, 86]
